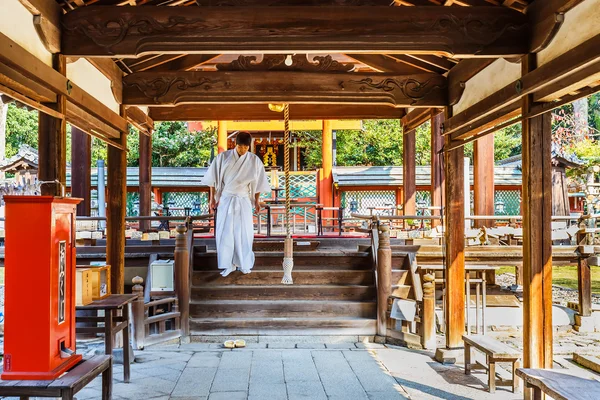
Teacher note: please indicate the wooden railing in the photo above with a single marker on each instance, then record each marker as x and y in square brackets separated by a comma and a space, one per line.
[156, 321]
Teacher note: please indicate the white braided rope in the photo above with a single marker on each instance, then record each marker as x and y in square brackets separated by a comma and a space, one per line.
[288, 266]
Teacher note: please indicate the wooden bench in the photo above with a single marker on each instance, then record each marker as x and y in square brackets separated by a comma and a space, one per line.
[559, 385]
[68, 384]
[494, 351]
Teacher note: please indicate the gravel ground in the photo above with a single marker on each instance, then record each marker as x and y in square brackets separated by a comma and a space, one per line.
[560, 295]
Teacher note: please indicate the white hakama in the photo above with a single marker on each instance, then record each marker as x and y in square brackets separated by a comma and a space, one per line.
[236, 181]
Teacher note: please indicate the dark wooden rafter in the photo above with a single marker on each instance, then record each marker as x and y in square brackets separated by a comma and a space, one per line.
[573, 61]
[383, 63]
[145, 88]
[140, 120]
[246, 112]
[417, 117]
[111, 31]
[184, 63]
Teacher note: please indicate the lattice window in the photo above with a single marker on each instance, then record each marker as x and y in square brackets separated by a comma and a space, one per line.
[197, 202]
[360, 201]
[302, 185]
[507, 202]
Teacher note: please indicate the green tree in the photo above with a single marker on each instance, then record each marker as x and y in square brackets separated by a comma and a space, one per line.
[21, 128]
[174, 146]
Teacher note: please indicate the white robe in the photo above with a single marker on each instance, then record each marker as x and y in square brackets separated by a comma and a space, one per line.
[236, 181]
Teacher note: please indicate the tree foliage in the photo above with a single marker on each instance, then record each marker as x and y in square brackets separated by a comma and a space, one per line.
[174, 146]
[21, 128]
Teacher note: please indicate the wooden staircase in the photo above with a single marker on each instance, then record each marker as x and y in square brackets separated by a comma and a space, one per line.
[333, 294]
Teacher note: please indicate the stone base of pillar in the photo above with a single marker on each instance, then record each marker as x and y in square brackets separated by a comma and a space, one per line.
[584, 324]
[450, 356]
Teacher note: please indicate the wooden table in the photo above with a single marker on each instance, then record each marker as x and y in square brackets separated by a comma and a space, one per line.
[113, 323]
[480, 282]
[67, 385]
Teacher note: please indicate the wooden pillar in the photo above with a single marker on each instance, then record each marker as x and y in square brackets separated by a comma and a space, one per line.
[115, 213]
[428, 335]
[455, 247]
[537, 238]
[182, 277]
[157, 195]
[52, 141]
[81, 169]
[483, 179]
[222, 137]
[409, 172]
[384, 278]
[437, 165]
[139, 314]
[145, 185]
[326, 181]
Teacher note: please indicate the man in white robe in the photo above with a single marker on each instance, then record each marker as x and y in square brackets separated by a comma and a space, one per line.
[236, 179]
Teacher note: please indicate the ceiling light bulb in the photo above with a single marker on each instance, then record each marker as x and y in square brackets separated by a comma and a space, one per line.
[288, 60]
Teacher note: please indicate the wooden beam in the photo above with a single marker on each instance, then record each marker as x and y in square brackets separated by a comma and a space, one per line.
[416, 117]
[89, 124]
[564, 65]
[437, 165]
[25, 86]
[52, 141]
[145, 179]
[249, 112]
[483, 178]
[384, 63]
[456, 31]
[113, 73]
[537, 235]
[589, 75]
[140, 120]
[417, 63]
[171, 88]
[461, 73]
[409, 172]
[23, 62]
[455, 246]
[115, 213]
[46, 21]
[184, 63]
[295, 3]
[81, 169]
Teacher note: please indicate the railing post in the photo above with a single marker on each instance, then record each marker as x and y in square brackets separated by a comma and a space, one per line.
[182, 278]
[138, 313]
[384, 278]
[428, 334]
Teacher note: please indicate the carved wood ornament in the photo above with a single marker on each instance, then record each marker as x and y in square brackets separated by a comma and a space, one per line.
[276, 62]
[126, 31]
[147, 88]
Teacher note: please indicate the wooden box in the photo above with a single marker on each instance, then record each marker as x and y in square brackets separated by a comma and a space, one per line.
[83, 287]
[100, 281]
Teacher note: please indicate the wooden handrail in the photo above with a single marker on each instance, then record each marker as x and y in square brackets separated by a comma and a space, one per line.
[159, 302]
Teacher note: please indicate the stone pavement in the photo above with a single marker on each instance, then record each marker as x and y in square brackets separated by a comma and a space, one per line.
[273, 371]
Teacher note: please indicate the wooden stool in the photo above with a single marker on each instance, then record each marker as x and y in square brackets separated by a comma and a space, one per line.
[495, 351]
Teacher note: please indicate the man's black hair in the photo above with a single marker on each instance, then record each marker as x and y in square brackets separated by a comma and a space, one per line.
[243, 138]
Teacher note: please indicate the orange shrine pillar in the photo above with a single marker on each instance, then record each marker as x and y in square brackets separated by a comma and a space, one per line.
[483, 178]
[222, 137]
[326, 181]
[409, 173]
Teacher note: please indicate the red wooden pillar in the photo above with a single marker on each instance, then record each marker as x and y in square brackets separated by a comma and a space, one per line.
[483, 178]
[409, 172]
[455, 247]
[81, 169]
[222, 137]
[145, 185]
[326, 181]
[537, 235]
[52, 141]
[437, 165]
[157, 195]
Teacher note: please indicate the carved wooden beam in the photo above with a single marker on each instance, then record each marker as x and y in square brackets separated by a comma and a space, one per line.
[255, 112]
[461, 31]
[172, 88]
[46, 20]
